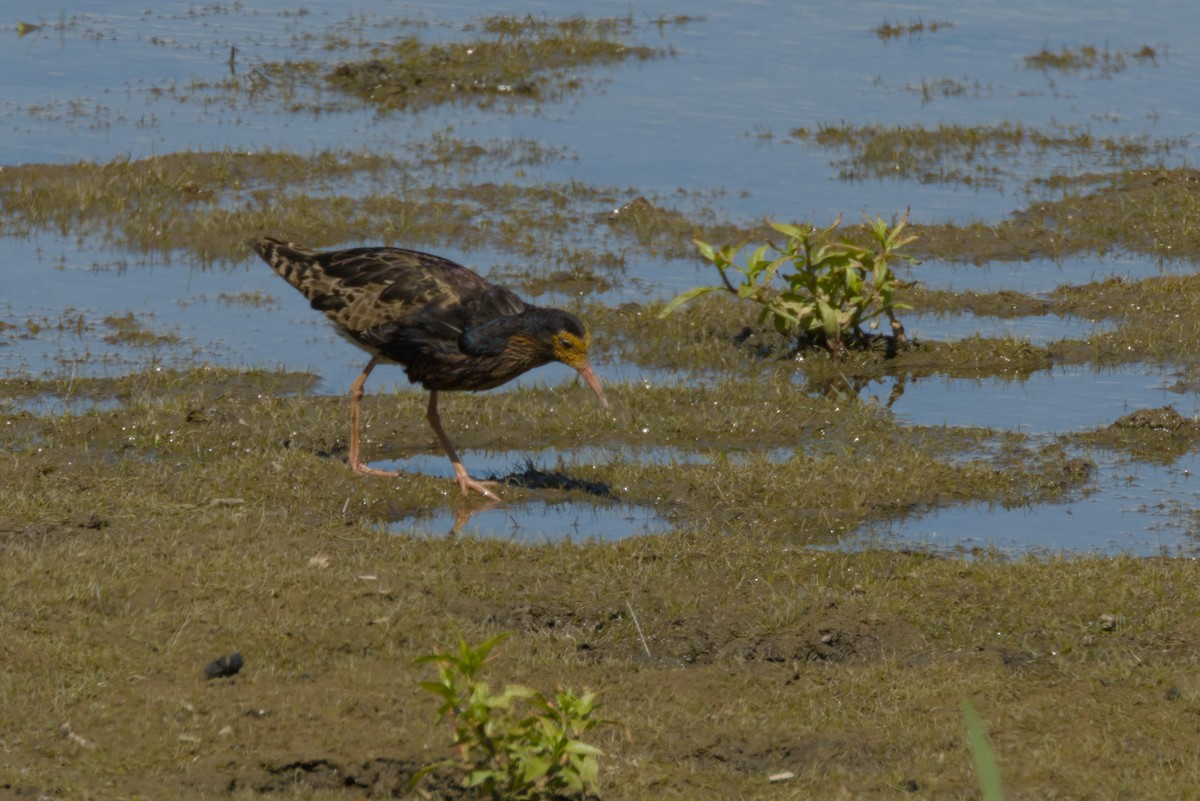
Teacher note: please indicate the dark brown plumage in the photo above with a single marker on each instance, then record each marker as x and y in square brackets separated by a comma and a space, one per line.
[449, 328]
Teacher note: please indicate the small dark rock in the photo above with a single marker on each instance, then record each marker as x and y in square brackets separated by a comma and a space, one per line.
[910, 786]
[224, 666]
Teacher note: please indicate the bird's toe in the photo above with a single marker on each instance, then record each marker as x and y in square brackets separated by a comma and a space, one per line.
[361, 469]
[484, 488]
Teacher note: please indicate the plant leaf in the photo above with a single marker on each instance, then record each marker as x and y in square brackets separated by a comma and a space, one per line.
[789, 230]
[706, 250]
[684, 297]
[829, 319]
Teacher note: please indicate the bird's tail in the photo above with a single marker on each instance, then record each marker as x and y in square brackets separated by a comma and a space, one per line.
[293, 263]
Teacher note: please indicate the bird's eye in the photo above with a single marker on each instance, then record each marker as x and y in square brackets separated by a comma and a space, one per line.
[565, 343]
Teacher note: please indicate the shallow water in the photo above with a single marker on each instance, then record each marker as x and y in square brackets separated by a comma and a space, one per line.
[1063, 399]
[1040, 276]
[708, 125]
[539, 522]
[1136, 508]
[1036, 330]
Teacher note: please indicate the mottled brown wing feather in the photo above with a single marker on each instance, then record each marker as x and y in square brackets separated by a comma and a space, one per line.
[370, 293]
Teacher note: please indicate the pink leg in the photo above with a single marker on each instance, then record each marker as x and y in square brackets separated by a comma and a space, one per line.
[356, 394]
[465, 482]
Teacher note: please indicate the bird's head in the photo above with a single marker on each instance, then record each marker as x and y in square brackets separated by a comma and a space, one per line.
[569, 342]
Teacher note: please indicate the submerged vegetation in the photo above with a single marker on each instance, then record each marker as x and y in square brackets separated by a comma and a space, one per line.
[981, 156]
[205, 206]
[887, 31]
[128, 330]
[502, 61]
[527, 57]
[1102, 62]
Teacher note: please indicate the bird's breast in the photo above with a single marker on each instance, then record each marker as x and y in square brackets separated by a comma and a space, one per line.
[458, 371]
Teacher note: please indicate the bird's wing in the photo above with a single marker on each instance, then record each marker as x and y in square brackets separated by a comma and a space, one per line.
[367, 288]
[403, 302]
[493, 302]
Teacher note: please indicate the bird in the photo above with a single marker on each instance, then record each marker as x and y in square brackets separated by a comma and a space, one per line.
[447, 326]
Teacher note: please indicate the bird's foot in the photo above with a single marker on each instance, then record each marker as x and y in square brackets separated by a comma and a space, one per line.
[362, 469]
[484, 488]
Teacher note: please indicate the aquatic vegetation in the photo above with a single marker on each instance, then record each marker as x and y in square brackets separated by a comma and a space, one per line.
[887, 31]
[947, 87]
[128, 330]
[206, 204]
[502, 62]
[528, 57]
[970, 155]
[1102, 62]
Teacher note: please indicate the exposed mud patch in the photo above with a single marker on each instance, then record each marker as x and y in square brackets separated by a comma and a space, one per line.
[377, 778]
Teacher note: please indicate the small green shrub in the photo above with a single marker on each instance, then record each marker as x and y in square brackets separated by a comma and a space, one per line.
[833, 288]
[515, 744]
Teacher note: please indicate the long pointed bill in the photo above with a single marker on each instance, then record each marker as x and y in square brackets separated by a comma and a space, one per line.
[585, 370]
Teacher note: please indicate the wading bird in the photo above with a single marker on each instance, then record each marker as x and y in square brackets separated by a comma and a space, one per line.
[448, 327]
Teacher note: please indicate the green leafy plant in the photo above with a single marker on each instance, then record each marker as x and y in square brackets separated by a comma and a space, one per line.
[515, 744]
[831, 287]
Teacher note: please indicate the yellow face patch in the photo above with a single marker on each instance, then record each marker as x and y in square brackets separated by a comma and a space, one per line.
[570, 349]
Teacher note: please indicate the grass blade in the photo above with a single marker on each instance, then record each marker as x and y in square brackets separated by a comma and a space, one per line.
[981, 753]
